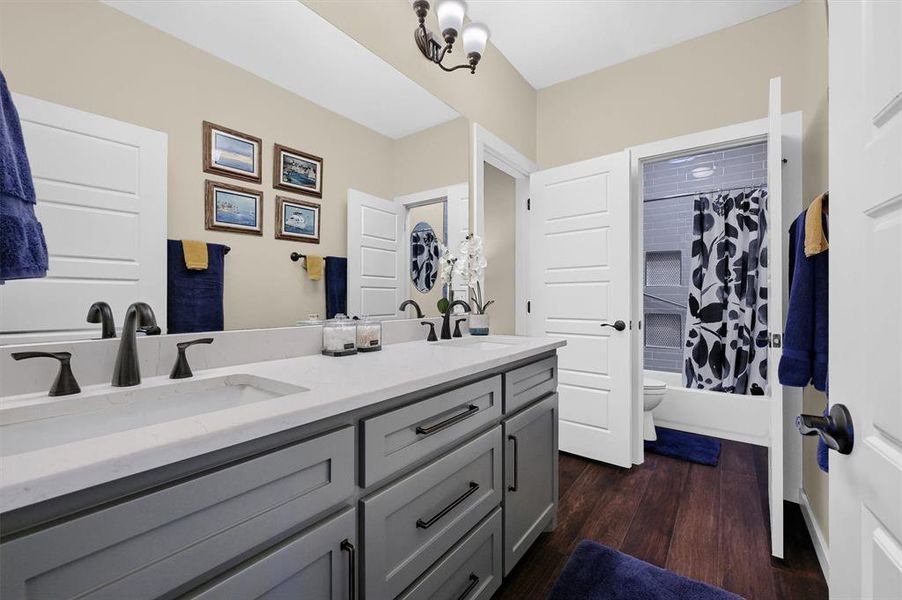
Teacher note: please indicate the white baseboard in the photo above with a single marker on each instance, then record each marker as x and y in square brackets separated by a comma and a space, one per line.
[817, 536]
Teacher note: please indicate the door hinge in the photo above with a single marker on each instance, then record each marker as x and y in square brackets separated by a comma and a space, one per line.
[529, 204]
[775, 341]
[528, 306]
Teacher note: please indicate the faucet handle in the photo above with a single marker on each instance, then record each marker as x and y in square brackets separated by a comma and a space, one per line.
[181, 369]
[457, 323]
[65, 383]
[432, 337]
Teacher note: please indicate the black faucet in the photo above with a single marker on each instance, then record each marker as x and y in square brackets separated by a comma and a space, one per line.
[139, 316]
[457, 323]
[413, 303]
[446, 318]
[431, 337]
[100, 312]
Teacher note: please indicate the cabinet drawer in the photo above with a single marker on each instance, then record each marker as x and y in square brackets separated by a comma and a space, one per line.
[411, 523]
[530, 477]
[168, 539]
[402, 437]
[318, 564]
[470, 571]
[529, 383]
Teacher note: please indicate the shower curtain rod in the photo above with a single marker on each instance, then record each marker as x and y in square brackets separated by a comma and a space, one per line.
[729, 189]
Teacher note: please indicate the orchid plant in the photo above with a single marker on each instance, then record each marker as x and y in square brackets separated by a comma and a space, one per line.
[470, 268]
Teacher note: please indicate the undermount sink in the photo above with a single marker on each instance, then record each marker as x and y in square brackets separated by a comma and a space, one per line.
[480, 343]
[72, 419]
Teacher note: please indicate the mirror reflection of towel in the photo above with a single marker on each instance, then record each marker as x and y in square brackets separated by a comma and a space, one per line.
[315, 266]
[196, 258]
[194, 298]
[336, 286]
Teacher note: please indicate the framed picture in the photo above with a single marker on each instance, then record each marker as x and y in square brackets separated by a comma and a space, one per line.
[232, 153]
[297, 220]
[233, 208]
[297, 171]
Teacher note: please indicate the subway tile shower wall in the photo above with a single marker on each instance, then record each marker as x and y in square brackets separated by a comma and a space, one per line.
[668, 228]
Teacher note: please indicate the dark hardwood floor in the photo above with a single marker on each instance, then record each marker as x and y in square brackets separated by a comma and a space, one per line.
[708, 523]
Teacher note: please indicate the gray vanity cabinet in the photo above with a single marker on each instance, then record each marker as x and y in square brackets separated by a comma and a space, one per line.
[529, 383]
[530, 477]
[172, 539]
[410, 524]
[318, 564]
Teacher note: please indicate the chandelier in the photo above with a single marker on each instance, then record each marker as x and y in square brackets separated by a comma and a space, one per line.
[450, 15]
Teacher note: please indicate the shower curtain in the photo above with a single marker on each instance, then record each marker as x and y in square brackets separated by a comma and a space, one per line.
[726, 321]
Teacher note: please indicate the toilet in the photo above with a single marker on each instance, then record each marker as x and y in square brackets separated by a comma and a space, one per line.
[654, 390]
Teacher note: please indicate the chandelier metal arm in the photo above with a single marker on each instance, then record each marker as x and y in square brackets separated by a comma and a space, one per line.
[430, 48]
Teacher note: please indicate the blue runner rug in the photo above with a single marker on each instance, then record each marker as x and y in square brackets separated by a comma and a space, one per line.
[685, 446]
[596, 572]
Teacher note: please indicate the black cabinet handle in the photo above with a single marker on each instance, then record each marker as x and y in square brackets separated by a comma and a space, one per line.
[474, 581]
[513, 488]
[348, 547]
[65, 383]
[471, 409]
[421, 524]
[618, 325]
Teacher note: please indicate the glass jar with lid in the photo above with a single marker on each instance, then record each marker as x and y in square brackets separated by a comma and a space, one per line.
[340, 336]
[369, 335]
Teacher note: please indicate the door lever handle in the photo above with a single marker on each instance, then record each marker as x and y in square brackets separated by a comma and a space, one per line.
[618, 325]
[835, 430]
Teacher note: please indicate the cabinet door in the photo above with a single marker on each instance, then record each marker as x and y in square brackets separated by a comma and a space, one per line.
[530, 477]
[318, 564]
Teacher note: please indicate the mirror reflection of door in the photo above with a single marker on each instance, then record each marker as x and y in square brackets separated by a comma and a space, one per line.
[427, 228]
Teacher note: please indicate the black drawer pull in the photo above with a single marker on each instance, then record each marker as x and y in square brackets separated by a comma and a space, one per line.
[348, 547]
[472, 408]
[421, 524]
[513, 488]
[474, 581]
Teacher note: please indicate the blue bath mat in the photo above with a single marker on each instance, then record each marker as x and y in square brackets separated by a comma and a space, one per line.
[685, 446]
[596, 572]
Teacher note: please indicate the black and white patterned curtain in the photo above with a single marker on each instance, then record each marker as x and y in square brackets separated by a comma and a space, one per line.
[726, 322]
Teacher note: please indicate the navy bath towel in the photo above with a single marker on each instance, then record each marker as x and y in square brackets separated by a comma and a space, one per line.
[194, 298]
[336, 286]
[805, 341]
[23, 250]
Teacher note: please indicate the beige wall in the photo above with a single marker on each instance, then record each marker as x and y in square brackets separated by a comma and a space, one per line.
[500, 249]
[97, 59]
[497, 96]
[712, 81]
[434, 215]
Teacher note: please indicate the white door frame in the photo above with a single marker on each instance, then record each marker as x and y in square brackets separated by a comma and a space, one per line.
[712, 139]
[489, 148]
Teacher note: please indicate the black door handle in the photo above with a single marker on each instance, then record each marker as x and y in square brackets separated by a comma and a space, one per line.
[513, 487]
[348, 547]
[835, 429]
[618, 325]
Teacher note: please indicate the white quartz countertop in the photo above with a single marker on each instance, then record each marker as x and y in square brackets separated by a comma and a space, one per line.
[336, 385]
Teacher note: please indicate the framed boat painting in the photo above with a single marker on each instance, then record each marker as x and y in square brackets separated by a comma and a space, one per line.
[297, 220]
[231, 153]
[296, 171]
[233, 208]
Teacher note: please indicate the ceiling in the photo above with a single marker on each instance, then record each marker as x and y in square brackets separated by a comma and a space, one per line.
[294, 48]
[550, 41]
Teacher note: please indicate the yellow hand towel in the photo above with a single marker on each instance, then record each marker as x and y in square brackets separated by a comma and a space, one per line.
[195, 252]
[815, 238]
[315, 266]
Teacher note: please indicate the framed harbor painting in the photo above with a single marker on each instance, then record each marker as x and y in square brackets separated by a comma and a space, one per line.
[296, 171]
[233, 208]
[297, 220]
[231, 153]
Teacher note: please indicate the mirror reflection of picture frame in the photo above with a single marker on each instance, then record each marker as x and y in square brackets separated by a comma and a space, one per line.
[233, 208]
[231, 153]
[424, 255]
[297, 220]
[296, 171]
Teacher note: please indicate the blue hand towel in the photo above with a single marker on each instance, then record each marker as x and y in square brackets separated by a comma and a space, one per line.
[804, 357]
[194, 298]
[336, 286]
[23, 249]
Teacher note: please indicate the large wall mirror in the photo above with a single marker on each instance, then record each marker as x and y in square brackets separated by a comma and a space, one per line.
[238, 136]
